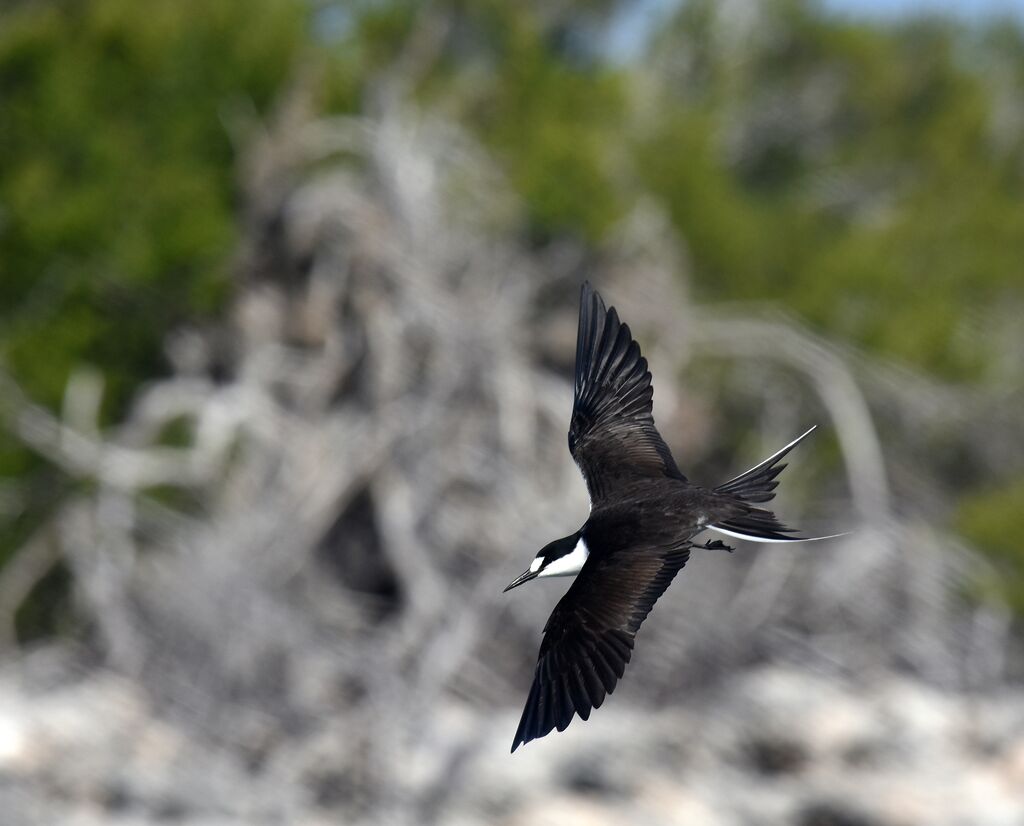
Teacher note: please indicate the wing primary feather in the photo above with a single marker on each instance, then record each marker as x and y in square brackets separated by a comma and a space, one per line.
[604, 670]
[618, 641]
[557, 711]
[578, 692]
[567, 705]
[617, 663]
[612, 435]
[595, 688]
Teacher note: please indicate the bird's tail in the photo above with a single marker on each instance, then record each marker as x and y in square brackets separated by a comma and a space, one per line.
[757, 486]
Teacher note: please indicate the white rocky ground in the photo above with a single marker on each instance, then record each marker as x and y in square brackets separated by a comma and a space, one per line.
[775, 746]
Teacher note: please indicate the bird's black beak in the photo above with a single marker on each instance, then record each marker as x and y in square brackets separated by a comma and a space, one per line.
[525, 576]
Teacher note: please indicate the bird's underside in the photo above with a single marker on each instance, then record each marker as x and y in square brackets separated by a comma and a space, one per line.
[644, 518]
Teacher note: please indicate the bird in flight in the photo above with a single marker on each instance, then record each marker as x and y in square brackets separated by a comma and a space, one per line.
[644, 516]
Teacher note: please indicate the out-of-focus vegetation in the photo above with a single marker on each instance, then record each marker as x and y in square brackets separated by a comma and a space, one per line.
[868, 177]
[116, 192]
[992, 519]
[117, 173]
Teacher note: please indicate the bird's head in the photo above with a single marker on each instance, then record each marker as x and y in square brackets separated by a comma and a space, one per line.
[563, 557]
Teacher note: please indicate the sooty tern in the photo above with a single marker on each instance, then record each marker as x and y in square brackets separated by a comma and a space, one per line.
[643, 519]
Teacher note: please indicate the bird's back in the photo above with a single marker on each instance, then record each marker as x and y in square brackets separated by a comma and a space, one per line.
[655, 512]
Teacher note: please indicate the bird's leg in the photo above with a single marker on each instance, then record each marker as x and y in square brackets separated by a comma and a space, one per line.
[716, 545]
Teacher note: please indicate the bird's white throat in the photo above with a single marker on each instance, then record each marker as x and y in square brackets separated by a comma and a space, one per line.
[571, 563]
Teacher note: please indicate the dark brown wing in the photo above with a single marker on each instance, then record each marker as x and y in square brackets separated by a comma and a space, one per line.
[589, 637]
[612, 435]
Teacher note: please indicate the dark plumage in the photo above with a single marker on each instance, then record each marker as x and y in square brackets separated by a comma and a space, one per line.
[644, 516]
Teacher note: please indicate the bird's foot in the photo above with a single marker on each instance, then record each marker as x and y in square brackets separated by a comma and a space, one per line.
[716, 545]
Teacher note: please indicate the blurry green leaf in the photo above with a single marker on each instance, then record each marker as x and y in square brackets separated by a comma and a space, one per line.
[994, 521]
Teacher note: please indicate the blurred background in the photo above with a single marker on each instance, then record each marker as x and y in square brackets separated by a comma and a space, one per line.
[288, 298]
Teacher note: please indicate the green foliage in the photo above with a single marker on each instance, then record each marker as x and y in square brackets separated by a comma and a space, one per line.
[117, 196]
[851, 172]
[554, 121]
[992, 520]
[855, 173]
[117, 175]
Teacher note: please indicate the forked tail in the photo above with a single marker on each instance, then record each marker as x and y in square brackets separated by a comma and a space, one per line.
[756, 486]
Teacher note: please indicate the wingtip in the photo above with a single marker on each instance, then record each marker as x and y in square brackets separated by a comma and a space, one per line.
[589, 295]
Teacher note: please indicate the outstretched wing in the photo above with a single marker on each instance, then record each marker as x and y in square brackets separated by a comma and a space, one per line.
[612, 435]
[589, 637]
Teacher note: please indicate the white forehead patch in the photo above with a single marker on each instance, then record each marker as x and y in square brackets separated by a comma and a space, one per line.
[571, 563]
[535, 565]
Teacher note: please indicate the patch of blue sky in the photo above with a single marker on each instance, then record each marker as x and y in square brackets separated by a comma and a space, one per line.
[639, 19]
[961, 9]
